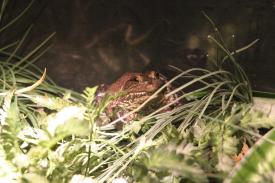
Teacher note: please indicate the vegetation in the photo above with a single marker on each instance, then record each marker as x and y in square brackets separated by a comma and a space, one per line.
[50, 134]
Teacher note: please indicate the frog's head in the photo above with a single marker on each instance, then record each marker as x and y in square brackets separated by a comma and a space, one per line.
[148, 82]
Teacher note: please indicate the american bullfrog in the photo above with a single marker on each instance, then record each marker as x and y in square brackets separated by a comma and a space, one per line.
[134, 89]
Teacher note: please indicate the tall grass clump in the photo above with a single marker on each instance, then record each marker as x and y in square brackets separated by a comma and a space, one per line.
[51, 134]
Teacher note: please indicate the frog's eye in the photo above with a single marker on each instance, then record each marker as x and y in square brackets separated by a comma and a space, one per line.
[153, 75]
[139, 78]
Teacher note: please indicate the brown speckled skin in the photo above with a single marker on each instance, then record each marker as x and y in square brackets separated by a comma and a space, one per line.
[135, 88]
[136, 83]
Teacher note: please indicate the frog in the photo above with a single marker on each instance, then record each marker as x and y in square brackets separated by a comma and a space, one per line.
[133, 89]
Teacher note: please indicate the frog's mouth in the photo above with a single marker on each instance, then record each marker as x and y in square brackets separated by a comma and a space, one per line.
[146, 87]
[135, 99]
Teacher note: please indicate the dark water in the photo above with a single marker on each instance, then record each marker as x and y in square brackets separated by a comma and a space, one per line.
[94, 43]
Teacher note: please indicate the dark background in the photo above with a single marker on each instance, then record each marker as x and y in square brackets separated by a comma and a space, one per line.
[90, 47]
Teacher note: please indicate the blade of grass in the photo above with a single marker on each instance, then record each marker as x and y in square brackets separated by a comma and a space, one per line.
[17, 17]
[25, 58]
[19, 44]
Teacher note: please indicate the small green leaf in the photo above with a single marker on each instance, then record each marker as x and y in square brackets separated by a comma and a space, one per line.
[175, 164]
[50, 102]
[64, 115]
[34, 178]
[73, 126]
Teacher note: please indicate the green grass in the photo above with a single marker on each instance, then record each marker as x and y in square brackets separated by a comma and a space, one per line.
[50, 134]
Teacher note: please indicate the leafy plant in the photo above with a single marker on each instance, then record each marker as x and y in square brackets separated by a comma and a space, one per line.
[258, 166]
[51, 134]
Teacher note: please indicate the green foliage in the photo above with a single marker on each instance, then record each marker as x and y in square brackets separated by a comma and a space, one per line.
[258, 166]
[51, 134]
[179, 162]
[50, 102]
